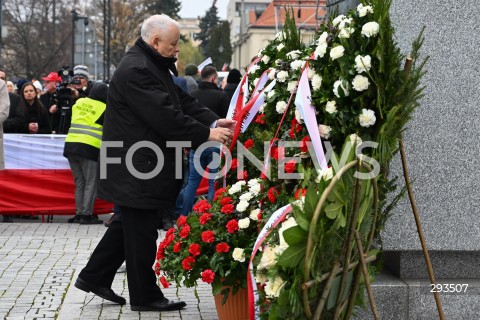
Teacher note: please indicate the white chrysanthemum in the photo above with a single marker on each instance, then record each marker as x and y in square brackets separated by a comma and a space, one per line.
[262, 108]
[364, 10]
[297, 64]
[346, 33]
[323, 38]
[242, 206]
[324, 131]
[281, 106]
[282, 76]
[310, 73]
[236, 187]
[253, 182]
[291, 86]
[321, 50]
[325, 174]
[337, 52]
[270, 94]
[336, 85]
[363, 63]
[331, 107]
[316, 82]
[360, 83]
[265, 59]
[298, 116]
[274, 287]
[370, 29]
[238, 254]
[256, 189]
[271, 74]
[355, 139]
[243, 223]
[294, 54]
[247, 196]
[338, 19]
[253, 69]
[344, 23]
[280, 47]
[254, 214]
[269, 255]
[367, 118]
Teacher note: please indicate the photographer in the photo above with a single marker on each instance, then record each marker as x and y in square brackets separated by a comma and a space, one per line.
[80, 81]
[49, 99]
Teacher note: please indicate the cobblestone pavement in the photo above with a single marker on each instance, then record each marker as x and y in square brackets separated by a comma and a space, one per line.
[39, 263]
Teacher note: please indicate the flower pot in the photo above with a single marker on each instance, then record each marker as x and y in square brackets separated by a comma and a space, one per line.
[236, 306]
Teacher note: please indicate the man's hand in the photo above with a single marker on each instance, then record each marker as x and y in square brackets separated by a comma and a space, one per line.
[222, 135]
[53, 108]
[226, 123]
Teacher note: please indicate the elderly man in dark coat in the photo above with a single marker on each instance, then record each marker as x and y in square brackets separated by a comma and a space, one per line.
[146, 121]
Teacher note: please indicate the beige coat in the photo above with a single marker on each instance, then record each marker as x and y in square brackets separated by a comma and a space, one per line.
[4, 107]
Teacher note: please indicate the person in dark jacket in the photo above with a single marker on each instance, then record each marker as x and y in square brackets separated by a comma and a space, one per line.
[212, 97]
[82, 148]
[147, 117]
[17, 115]
[37, 116]
[49, 100]
[233, 79]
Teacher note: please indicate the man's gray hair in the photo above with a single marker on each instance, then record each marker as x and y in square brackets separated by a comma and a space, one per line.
[156, 25]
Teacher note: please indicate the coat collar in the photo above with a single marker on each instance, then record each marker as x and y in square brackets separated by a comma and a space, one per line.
[168, 63]
[207, 85]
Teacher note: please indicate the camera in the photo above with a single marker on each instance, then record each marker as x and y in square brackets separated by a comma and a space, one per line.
[63, 98]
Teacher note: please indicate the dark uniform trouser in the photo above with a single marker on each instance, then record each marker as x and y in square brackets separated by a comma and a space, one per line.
[132, 240]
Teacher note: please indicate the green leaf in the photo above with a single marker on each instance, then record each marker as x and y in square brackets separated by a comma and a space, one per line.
[332, 210]
[302, 221]
[292, 255]
[311, 199]
[332, 297]
[295, 235]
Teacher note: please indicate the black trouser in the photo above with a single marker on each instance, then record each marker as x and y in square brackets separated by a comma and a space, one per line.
[132, 240]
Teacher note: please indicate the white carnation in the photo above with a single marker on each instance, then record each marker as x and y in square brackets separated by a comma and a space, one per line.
[273, 288]
[338, 19]
[360, 83]
[242, 206]
[298, 116]
[253, 182]
[363, 63]
[337, 52]
[323, 38]
[346, 33]
[236, 187]
[321, 50]
[370, 29]
[294, 54]
[280, 47]
[343, 23]
[297, 64]
[281, 106]
[262, 108]
[270, 94]
[336, 85]
[269, 255]
[256, 189]
[238, 254]
[247, 196]
[367, 118]
[243, 223]
[331, 107]
[325, 174]
[254, 68]
[266, 59]
[282, 76]
[254, 214]
[310, 73]
[255, 82]
[271, 74]
[291, 86]
[324, 131]
[316, 82]
[364, 10]
[355, 139]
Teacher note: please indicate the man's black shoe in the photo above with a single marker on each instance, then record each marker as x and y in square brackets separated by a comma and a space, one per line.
[105, 293]
[162, 305]
[75, 219]
[90, 220]
[7, 219]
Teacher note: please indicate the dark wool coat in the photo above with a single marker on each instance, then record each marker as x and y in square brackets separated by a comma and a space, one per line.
[211, 96]
[145, 105]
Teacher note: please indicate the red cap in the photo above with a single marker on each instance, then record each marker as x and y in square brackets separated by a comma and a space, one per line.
[53, 76]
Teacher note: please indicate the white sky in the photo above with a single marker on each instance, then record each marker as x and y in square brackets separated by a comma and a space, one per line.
[195, 8]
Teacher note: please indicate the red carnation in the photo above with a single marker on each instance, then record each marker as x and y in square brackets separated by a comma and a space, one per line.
[208, 276]
[227, 209]
[185, 231]
[208, 236]
[202, 206]
[232, 226]
[248, 144]
[272, 195]
[260, 119]
[177, 247]
[156, 268]
[222, 247]
[303, 144]
[234, 164]
[219, 193]
[160, 253]
[225, 201]
[194, 249]
[164, 282]
[204, 218]
[170, 232]
[290, 166]
[181, 221]
[300, 193]
[166, 242]
[188, 262]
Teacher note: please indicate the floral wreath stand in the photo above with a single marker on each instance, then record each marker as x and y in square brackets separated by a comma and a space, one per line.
[342, 283]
